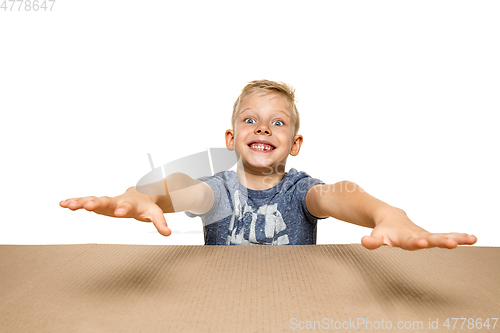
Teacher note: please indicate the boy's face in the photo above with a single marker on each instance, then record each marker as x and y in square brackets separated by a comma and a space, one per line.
[265, 118]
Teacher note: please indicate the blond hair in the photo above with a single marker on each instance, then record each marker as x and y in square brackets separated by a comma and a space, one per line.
[267, 86]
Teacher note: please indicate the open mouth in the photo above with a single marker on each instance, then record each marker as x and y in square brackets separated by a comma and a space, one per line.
[261, 147]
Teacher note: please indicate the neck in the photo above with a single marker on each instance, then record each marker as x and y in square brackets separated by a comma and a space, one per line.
[255, 180]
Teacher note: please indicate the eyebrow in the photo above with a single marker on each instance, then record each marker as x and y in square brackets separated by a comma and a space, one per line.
[274, 110]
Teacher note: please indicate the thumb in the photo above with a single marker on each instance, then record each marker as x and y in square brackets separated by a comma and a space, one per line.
[158, 219]
[371, 242]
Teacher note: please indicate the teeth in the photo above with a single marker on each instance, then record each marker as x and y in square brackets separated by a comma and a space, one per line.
[260, 147]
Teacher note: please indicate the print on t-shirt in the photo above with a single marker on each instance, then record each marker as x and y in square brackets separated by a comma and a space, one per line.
[255, 226]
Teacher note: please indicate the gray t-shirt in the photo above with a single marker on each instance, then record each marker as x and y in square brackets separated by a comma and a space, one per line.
[276, 216]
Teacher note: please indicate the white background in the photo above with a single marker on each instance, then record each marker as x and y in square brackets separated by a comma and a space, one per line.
[400, 97]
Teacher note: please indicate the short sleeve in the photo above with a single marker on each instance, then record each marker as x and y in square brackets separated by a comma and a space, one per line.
[220, 208]
[302, 187]
[215, 185]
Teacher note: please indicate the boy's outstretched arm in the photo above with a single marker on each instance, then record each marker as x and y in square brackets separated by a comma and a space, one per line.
[180, 193]
[348, 202]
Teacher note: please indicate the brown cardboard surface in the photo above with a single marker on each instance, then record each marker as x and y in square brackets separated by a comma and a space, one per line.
[150, 288]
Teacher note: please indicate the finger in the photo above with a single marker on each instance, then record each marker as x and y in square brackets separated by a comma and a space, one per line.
[462, 238]
[414, 243]
[100, 205]
[156, 216]
[371, 242]
[124, 209]
[442, 241]
[64, 203]
[411, 243]
[470, 239]
[93, 204]
[77, 203]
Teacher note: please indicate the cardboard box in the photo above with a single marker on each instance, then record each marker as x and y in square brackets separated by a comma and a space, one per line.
[337, 288]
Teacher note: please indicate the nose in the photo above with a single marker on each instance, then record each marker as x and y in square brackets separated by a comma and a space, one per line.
[263, 130]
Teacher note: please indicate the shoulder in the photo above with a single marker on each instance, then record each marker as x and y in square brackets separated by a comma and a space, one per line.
[226, 177]
[223, 176]
[222, 181]
[305, 190]
[300, 179]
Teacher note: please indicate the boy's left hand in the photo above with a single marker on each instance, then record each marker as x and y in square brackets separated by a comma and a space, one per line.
[396, 229]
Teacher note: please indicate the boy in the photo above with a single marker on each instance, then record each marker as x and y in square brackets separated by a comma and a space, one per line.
[260, 203]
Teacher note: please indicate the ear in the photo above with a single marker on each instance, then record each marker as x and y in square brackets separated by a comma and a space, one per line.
[297, 143]
[230, 139]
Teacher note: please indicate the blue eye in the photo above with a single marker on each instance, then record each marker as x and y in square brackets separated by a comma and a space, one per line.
[246, 121]
[278, 121]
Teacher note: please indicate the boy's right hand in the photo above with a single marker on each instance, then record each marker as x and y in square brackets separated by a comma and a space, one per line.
[129, 204]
